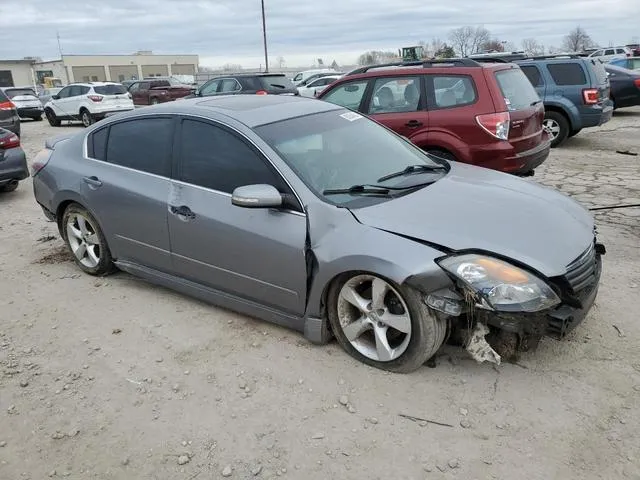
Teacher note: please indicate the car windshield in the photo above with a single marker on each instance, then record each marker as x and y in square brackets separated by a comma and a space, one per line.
[339, 149]
[114, 89]
[15, 92]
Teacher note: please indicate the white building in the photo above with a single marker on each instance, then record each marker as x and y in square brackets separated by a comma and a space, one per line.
[115, 68]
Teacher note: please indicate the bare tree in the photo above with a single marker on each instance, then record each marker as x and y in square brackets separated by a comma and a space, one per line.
[532, 47]
[281, 62]
[468, 40]
[374, 57]
[231, 67]
[577, 40]
[494, 45]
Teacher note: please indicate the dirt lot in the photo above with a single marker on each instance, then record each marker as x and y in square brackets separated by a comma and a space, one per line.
[116, 379]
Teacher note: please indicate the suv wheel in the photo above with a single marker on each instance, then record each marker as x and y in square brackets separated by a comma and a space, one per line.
[51, 117]
[558, 127]
[87, 118]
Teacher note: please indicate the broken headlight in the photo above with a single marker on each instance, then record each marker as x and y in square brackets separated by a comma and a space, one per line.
[501, 285]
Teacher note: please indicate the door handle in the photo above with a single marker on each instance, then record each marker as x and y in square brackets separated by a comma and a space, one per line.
[93, 181]
[413, 124]
[183, 211]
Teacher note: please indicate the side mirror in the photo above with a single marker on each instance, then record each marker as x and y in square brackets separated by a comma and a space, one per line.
[56, 97]
[256, 196]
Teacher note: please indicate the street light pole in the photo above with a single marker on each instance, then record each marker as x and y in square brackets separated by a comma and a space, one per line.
[264, 39]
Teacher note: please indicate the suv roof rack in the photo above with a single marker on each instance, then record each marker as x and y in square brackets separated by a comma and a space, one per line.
[506, 57]
[462, 62]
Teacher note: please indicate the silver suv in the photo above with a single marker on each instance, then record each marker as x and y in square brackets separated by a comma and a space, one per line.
[87, 102]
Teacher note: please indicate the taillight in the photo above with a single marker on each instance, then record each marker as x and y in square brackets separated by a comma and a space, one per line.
[11, 141]
[7, 106]
[496, 124]
[590, 96]
[40, 161]
[261, 92]
[637, 82]
[95, 98]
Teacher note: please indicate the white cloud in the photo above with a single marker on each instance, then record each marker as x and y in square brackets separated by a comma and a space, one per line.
[224, 31]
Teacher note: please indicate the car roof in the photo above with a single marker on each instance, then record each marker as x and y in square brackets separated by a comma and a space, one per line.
[251, 110]
[93, 84]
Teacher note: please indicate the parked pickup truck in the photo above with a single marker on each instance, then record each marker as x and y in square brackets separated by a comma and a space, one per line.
[152, 92]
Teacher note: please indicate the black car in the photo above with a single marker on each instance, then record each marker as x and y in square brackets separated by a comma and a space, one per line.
[13, 163]
[247, 84]
[625, 86]
[9, 118]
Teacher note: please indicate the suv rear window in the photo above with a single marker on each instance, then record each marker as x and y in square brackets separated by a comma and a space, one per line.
[597, 67]
[276, 82]
[567, 73]
[14, 92]
[517, 89]
[110, 89]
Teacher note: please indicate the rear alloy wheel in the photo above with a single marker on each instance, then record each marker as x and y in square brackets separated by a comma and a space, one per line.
[557, 126]
[87, 118]
[154, 101]
[383, 325]
[86, 241]
[51, 117]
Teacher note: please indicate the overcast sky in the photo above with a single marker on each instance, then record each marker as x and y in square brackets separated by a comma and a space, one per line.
[230, 31]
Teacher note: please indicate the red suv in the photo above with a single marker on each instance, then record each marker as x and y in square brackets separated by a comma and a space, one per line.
[485, 114]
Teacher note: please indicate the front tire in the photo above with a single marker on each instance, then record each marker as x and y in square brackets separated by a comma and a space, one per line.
[51, 118]
[557, 125]
[441, 154]
[38, 118]
[8, 188]
[85, 241]
[383, 324]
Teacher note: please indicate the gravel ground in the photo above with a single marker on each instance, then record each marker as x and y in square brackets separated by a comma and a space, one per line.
[117, 379]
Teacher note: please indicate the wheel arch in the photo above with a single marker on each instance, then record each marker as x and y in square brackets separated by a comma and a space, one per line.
[567, 114]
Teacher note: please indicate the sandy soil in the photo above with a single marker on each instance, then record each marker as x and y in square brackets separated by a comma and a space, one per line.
[116, 379]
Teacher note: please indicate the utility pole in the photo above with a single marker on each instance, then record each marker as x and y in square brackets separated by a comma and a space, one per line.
[59, 46]
[264, 39]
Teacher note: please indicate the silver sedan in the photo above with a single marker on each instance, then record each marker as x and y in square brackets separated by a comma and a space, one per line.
[314, 217]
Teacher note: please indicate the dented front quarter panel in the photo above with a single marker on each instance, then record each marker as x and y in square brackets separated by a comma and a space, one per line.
[341, 244]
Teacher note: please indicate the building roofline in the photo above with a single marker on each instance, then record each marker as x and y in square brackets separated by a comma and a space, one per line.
[131, 55]
[18, 61]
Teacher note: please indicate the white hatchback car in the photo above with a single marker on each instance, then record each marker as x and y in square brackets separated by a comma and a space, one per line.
[87, 102]
[314, 87]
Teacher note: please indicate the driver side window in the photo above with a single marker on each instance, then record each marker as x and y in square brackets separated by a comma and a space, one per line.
[64, 93]
[210, 88]
[347, 95]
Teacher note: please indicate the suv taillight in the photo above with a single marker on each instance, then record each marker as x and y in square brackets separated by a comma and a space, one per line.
[261, 92]
[7, 106]
[496, 124]
[590, 96]
[637, 82]
[11, 141]
[95, 98]
[40, 161]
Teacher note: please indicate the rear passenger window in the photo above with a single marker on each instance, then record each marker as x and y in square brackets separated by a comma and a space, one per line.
[453, 91]
[533, 74]
[567, 73]
[97, 145]
[395, 95]
[143, 145]
[348, 94]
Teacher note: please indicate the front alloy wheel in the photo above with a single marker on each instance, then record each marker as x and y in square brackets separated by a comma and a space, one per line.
[87, 118]
[384, 325]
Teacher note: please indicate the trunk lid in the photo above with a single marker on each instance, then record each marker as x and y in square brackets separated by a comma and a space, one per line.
[525, 108]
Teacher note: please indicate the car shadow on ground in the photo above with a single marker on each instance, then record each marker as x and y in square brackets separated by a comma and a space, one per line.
[626, 113]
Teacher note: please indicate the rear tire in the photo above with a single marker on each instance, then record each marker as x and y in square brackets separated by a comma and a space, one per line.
[86, 117]
[154, 101]
[558, 126]
[573, 133]
[396, 332]
[38, 119]
[86, 242]
[51, 117]
[11, 187]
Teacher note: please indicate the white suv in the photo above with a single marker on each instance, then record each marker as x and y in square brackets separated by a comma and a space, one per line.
[87, 102]
[611, 53]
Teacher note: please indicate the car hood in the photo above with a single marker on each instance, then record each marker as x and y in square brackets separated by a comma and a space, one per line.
[481, 209]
